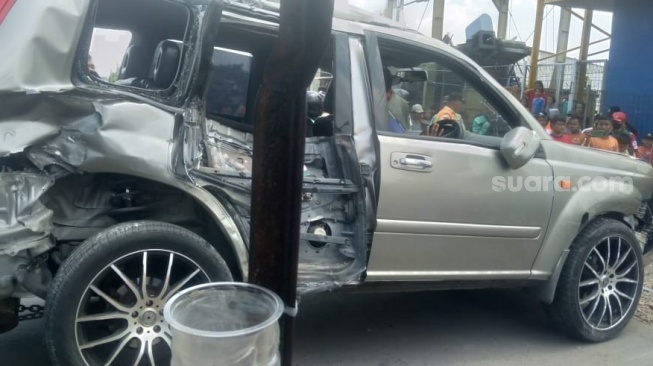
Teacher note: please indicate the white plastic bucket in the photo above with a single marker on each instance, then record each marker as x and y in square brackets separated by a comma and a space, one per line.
[224, 324]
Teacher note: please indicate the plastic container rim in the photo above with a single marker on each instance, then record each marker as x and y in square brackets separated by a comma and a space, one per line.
[231, 333]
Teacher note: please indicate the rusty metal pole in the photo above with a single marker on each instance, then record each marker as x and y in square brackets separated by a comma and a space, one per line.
[280, 122]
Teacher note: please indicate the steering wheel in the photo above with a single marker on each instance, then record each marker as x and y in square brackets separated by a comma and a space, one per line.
[447, 128]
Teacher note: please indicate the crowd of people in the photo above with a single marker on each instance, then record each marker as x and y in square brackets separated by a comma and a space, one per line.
[611, 131]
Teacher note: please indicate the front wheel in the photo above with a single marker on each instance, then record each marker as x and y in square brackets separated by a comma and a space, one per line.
[600, 284]
[105, 305]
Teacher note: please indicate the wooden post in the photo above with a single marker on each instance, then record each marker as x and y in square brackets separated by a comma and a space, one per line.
[280, 122]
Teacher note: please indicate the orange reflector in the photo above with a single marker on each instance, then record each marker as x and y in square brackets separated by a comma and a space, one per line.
[565, 184]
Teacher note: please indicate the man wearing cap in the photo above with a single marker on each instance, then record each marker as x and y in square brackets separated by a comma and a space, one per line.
[451, 111]
[417, 121]
[619, 128]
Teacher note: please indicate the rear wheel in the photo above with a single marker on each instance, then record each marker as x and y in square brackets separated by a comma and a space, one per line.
[105, 305]
[600, 284]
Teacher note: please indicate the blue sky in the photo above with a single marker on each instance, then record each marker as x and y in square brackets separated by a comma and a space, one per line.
[459, 13]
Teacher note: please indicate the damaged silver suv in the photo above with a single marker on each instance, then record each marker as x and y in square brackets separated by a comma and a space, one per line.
[125, 180]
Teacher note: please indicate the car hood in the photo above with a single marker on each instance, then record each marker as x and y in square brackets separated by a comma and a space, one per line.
[578, 161]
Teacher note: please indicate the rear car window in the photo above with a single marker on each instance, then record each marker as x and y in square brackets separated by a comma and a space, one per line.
[108, 47]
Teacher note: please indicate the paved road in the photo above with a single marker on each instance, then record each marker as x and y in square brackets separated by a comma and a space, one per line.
[442, 328]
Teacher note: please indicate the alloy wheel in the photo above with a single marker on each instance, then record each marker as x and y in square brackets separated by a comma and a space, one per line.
[609, 283]
[120, 315]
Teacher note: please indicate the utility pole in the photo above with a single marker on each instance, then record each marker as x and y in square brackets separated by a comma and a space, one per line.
[277, 174]
[563, 34]
[558, 76]
[535, 50]
[438, 19]
[502, 6]
[389, 9]
[584, 50]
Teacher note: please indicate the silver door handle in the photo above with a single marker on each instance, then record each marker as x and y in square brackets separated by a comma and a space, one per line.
[416, 163]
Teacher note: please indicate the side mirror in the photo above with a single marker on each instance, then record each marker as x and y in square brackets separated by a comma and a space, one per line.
[519, 146]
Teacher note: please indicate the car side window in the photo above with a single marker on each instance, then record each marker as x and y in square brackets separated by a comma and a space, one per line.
[138, 44]
[426, 97]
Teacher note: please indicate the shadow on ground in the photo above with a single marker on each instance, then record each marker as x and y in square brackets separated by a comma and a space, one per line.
[485, 328]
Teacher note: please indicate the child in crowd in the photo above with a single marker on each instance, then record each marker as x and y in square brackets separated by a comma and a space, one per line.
[543, 121]
[644, 152]
[575, 134]
[599, 137]
[538, 104]
[558, 130]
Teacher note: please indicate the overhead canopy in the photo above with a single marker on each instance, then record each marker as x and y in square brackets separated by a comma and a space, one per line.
[601, 5]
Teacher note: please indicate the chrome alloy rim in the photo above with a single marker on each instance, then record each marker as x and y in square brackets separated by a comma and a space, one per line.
[120, 315]
[608, 283]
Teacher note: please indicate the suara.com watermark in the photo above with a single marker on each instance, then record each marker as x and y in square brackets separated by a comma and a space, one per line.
[534, 183]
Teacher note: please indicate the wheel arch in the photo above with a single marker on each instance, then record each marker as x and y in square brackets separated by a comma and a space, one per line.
[571, 215]
[219, 226]
[568, 221]
[546, 290]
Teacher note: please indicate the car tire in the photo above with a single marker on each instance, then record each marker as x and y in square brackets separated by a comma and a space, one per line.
[97, 293]
[600, 284]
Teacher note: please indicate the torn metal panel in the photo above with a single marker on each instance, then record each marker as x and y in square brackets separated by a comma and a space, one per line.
[333, 242]
[229, 151]
[24, 221]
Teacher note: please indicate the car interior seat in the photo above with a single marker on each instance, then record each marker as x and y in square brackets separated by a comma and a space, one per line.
[165, 63]
[163, 67]
[134, 63]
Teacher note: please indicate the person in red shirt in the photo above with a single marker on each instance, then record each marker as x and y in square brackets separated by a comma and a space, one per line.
[558, 130]
[575, 134]
[530, 94]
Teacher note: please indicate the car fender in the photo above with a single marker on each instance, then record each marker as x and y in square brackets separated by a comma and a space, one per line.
[583, 207]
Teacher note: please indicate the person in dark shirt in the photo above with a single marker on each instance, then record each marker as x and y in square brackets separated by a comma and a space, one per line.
[394, 124]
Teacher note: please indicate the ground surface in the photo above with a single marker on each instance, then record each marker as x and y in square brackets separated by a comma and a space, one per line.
[645, 309]
[485, 328]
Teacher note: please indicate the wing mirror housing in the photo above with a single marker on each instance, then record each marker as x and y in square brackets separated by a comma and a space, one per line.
[519, 146]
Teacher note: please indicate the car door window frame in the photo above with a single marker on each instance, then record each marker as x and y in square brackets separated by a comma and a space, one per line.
[188, 67]
[464, 70]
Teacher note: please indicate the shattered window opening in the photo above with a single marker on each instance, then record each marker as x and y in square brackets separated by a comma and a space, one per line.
[108, 47]
[153, 59]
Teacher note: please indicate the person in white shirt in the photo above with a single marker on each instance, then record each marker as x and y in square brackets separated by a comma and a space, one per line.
[417, 119]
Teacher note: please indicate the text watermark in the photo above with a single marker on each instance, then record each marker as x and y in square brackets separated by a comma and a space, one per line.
[534, 183]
